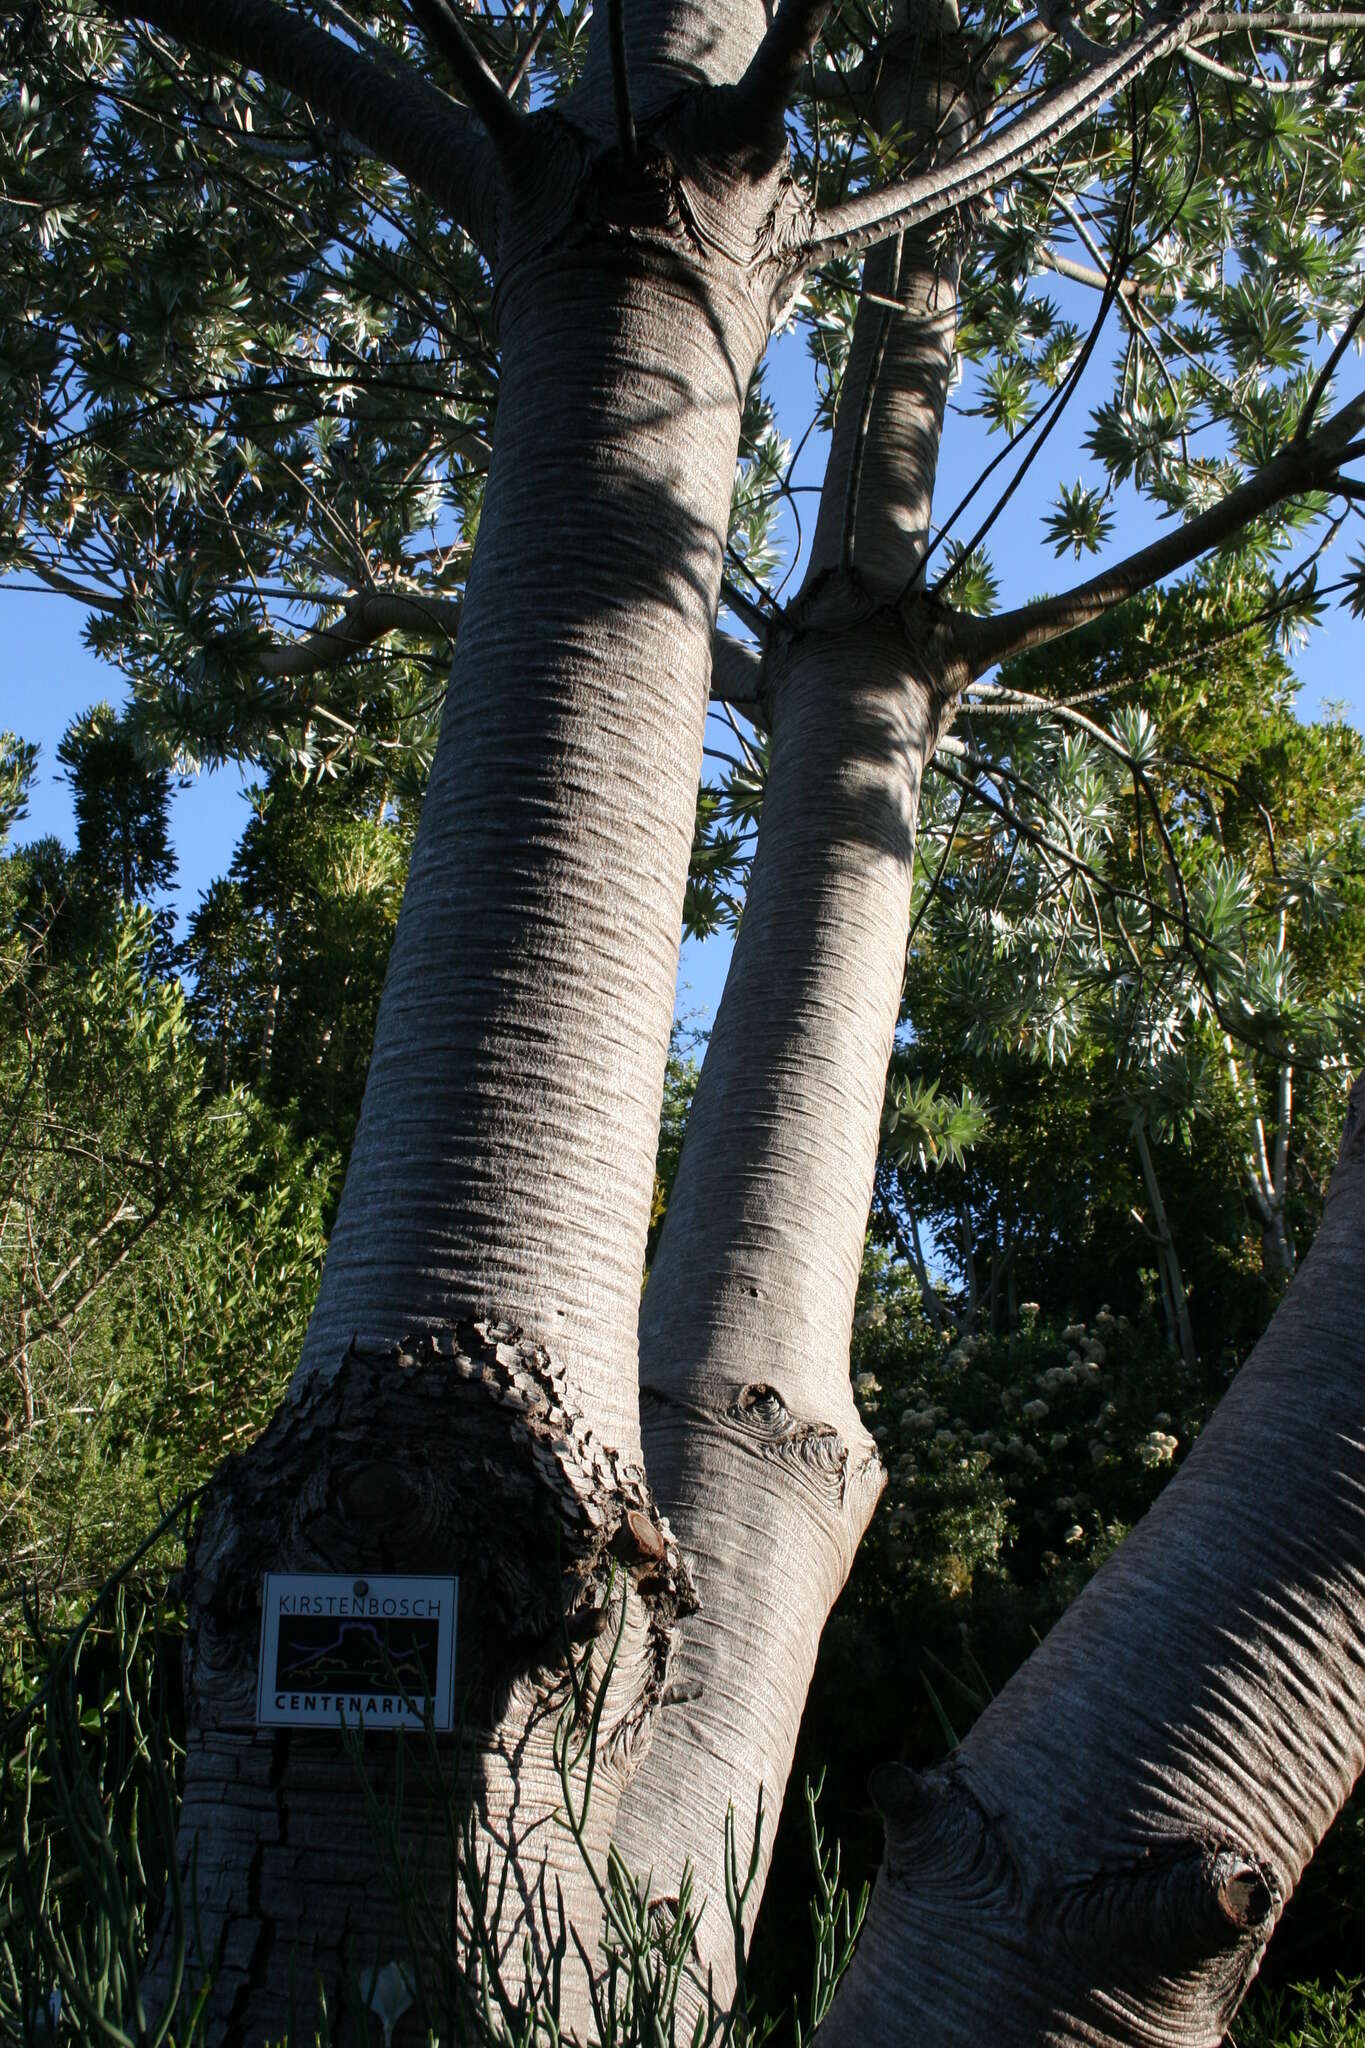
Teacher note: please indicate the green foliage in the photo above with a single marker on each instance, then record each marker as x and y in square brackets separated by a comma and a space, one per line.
[971, 584]
[1309, 2016]
[1081, 521]
[122, 806]
[1143, 916]
[1015, 1464]
[247, 366]
[680, 1085]
[160, 1245]
[930, 1128]
[288, 951]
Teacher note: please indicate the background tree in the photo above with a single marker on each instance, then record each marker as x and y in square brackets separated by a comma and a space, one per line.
[156, 1261]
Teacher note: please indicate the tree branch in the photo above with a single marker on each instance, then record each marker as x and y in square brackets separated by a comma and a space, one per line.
[1084, 273]
[1059, 22]
[736, 665]
[1301, 466]
[367, 617]
[737, 675]
[761, 96]
[1286, 20]
[482, 89]
[871, 216]
[406, 122]
[620, 80]
[1020, 42]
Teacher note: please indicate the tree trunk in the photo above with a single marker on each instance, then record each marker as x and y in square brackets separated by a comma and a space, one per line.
[1104, 1858]
[1172, 1279]
[753, 1441]
[467, 1399]
[929, 1294]
[467, 1396]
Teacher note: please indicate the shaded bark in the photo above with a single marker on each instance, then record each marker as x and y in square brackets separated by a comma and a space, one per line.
[503, 1166]
[1103, 1859]
[459, 1452]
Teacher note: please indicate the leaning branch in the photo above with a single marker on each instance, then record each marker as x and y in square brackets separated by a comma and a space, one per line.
[451, 40]
[736, 665]
[776, 69]
[368, 616]
[1324, 21]
[737, 675]
[1059, 21]
[404, 121]
[870, 217]
[1085, 273]
[1301, 466]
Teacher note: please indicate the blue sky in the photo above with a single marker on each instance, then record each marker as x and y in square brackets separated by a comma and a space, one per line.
[47, 677]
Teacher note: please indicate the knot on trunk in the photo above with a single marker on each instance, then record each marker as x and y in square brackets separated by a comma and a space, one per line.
[1154, 1947]
[449, 1452]
[813, 1453]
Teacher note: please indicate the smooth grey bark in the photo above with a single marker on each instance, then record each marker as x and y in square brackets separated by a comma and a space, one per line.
[752, 1438]
[1103, 1859]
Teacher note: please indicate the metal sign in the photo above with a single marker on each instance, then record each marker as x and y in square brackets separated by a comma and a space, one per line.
[378, 1650]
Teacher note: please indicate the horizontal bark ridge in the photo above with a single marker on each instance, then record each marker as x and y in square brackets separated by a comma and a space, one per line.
[1155, 1948]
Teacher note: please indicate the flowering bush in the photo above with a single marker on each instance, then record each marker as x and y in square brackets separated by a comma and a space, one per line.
[1015, 1464]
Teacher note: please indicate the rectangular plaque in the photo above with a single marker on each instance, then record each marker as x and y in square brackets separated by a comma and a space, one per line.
[376, 1649]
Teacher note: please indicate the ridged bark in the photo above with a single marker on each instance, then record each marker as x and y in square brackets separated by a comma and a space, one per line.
[1102, 1861]
[503, 1168]
[752, 1437]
